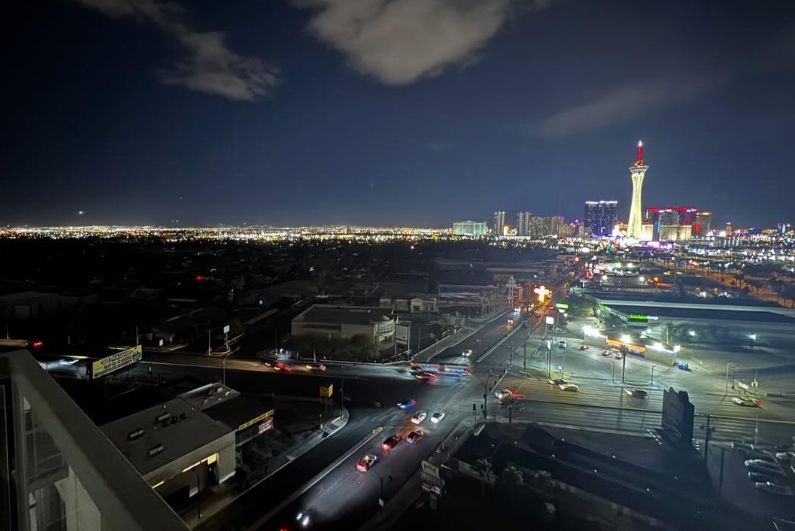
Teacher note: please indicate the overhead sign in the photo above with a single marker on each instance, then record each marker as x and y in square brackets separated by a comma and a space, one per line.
[326, 391]
[116, 361]
[549, 320]
[402, 335]
[562, 306]
[226, 329]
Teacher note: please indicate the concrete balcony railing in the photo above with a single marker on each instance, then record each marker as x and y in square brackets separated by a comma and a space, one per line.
[58, 470]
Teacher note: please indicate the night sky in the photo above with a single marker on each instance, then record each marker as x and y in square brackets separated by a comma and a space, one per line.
[393, 112]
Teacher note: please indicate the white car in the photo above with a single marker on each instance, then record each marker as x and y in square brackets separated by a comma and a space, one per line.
[419, 417]
[503, 393]
[467, 353]
[437, 417]
[303, 519]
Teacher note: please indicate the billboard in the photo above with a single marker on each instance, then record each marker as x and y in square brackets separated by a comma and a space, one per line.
[117, 361]
[327, 391]
[402, 335]
[677, 416]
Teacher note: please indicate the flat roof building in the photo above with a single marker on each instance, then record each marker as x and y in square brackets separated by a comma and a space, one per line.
[344, 322]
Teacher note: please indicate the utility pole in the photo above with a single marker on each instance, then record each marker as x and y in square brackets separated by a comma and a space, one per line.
[209, 342]
[623, 364]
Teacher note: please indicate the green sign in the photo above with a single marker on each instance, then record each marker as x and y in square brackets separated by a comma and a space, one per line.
[562, 306]
[638, 317]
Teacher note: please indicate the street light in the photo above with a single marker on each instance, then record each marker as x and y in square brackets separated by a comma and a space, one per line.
[625, 338]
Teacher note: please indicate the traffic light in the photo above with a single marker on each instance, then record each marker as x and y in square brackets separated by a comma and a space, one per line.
[474, 407]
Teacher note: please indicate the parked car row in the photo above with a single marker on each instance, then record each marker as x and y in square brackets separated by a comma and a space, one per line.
[765, 470]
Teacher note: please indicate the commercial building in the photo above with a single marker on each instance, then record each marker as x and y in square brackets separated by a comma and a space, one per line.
[638, 174]
[470, 228]
[703, 224]
[671, 223]
[547, 226]
[523, 223]
[499, 223]
[601, 217]
[344, 322]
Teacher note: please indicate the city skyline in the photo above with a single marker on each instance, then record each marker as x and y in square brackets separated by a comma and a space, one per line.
[277, 115]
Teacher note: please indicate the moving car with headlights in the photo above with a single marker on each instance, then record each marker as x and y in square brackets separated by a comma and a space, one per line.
[366, 463]
[418, 417]
[315, 366]
[425, 377]
[584, 347]
[467, 353]
[278, 366]
[303, 519]
[391, 442]
[557, 381]
[502, 393]
[437, 417]
[569, 387]
[406, 404]
[414, 437]
[746, 401]
[637, 393]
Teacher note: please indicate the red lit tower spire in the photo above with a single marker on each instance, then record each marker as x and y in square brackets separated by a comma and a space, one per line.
[640, 153]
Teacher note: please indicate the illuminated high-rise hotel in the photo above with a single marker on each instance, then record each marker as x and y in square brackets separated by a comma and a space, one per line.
[637, 172]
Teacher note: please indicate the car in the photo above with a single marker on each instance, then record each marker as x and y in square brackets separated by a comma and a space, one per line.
[768, 469]
[746, 401]
[617, 356]
[279, 366]
[569, 387]
[637, 393]
[773, 488]
[760, 477]
[406, 404]
[414, 437]
[366, 463]
[762, 459]
[502, 393]
[558, 381]
[425, 377]
[391, 441]
[416, 370]
[419, 417]
[584, 347]
[315, 366]
[510, 321]
[467, 353]
[605, 353]
[562, 344]
[437, 417]
[303, 519]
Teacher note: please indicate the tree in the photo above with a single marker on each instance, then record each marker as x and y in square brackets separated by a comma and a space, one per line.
[511, 478]
[483, 466]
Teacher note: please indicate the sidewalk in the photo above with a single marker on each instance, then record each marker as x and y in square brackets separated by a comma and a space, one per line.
[209, 503]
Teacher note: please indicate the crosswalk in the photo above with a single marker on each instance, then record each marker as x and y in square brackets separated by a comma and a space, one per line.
[605, 406]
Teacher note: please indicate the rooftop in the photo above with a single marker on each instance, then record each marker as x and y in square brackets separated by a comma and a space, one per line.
[176, 427]
[325, 313]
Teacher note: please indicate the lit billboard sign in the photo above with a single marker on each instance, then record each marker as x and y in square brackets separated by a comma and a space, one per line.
[639, 317]
[116, 361]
